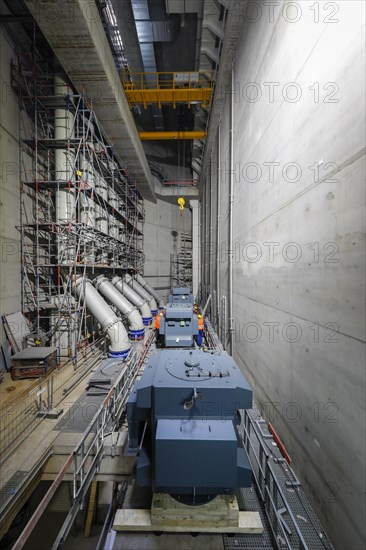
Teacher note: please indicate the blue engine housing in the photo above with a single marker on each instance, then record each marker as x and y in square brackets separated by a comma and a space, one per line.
[178, 325]
[189, 401]
[181, 295]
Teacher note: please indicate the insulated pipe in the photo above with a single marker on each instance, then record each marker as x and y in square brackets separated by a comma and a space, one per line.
[139, 278]
[143, 293]
[134, 298]
[231, 203]
[111, 324]
[218, 221]
[136, 326]
[64, 169]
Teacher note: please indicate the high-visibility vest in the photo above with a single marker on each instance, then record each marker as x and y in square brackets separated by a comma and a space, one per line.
[201, 324]
[157, 322]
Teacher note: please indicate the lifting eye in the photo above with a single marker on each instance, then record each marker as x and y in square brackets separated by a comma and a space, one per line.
[189, 404]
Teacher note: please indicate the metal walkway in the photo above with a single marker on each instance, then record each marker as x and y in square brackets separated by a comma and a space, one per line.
[289, 521]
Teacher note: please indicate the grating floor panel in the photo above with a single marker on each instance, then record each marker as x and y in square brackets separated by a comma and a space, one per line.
[304, 516]
[9, 490]
[248, 500]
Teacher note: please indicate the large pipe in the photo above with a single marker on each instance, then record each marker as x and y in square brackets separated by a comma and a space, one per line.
[134, 298]
[136, 326]
[218, 221]
[231, 204]
[64, 170]
[143, 293]
[139, 278]
[111, 324]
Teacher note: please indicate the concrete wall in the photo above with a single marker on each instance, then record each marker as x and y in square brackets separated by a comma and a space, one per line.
[299, 264]
[9, 186]
[161, 221]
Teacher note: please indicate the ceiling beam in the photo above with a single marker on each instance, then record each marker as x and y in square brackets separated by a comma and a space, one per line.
[153, 136]
[74, 30]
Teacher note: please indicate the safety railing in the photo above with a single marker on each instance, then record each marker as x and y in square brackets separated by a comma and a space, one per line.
[180, 183]
[167, 80]
[272, 496]
[86, 456]
[88, 451]
[211, 337]
[22, 416]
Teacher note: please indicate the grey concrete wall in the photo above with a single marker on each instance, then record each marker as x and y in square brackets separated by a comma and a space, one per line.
[299, 231]
[9, 186]
[161, 221]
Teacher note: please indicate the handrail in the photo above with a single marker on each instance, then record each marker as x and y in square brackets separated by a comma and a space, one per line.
[181, 183]
[167, 80]
[269, 488]
[105, 420]
[27, 410]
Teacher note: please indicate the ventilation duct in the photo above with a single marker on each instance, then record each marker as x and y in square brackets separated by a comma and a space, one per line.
[136, 326]
[150, 290]
[111, 324]
[143, 293]
[134, 298]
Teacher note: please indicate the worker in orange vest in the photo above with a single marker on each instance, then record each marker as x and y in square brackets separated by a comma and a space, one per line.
[157, 321]
[201, 326]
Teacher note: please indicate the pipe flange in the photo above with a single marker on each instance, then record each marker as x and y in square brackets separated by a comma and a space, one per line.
[80, 281]
[107, 327]
[99, 280]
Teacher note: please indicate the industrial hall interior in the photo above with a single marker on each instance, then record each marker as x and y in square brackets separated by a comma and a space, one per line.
[182, 275]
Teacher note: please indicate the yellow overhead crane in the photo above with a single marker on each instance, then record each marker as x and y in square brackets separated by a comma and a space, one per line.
[168, 88]
[194, 134]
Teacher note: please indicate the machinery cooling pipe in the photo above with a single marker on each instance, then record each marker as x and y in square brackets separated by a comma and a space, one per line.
[143, 293]
[218, 221]
[111, 324]
[139, 278]
[136, 326]
[231, 215]
[134, 298]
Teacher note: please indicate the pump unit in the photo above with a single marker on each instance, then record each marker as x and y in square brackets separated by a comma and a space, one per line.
[182, 295]
[178, 326]
[183, 413]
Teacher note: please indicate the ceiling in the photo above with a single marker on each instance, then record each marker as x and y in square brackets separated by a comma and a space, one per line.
[169, 36]
[158, 36]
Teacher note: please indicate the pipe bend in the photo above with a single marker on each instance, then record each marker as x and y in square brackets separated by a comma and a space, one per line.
[109, 291]
[150, 290]
[143, 293]
[134, 298]
[111, 324]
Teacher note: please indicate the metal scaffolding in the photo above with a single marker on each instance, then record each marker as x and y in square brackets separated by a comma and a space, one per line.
[80, 213]
[181, 262]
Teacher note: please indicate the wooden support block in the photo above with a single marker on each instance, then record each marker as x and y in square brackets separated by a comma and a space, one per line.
[90, 515]
[223, 511]
[140, 520]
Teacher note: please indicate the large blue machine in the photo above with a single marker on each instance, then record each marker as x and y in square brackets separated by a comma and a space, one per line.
[178, 325]
[183, 413]
[181, 295]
